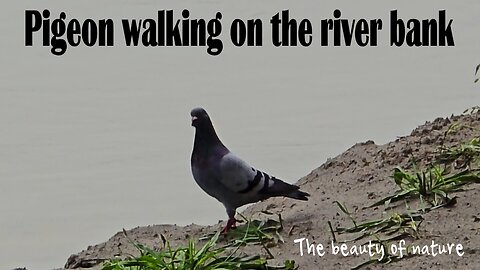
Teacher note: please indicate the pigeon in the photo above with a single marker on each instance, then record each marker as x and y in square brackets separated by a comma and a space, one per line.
[226, 177]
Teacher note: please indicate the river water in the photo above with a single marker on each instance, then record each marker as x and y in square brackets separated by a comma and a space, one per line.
[99, 139]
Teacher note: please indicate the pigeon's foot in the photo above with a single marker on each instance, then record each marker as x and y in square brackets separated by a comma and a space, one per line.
[231, 224]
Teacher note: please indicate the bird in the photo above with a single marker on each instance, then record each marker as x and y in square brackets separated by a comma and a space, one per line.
[226, 177]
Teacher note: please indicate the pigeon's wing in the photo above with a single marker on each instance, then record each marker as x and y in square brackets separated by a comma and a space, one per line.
[241, 178]
[238, 176]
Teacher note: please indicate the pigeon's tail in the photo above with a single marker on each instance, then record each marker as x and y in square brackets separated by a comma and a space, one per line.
[299, 195]
[280, 188]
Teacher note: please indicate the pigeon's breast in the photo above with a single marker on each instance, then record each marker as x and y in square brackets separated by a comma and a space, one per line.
[205, 173]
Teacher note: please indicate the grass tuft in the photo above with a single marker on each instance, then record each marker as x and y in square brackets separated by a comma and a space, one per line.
[431, 185]
[395, 226]
[451, 171]
[464, 154]
[209, 256]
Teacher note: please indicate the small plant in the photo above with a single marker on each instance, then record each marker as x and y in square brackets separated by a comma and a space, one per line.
[432, 185]
[208, 257]
[465, 154]
[258, 232]
[383, 231]
[265, 233]
[395, 226]
[387, 259]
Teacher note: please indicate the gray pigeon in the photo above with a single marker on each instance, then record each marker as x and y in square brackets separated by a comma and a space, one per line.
[226, 177]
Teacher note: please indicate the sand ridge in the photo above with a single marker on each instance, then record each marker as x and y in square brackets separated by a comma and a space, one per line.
[357, 178]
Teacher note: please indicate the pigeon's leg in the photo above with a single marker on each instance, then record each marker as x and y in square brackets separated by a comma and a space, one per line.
[231, 223]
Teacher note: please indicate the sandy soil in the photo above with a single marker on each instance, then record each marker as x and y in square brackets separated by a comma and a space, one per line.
[357, 178]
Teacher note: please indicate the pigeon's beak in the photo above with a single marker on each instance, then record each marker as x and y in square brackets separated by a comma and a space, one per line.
[193, 119]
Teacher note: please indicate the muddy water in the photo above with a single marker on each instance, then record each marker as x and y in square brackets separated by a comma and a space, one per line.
[99, 139]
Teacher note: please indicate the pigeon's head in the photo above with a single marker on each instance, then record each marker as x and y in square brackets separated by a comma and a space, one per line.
[199, 117]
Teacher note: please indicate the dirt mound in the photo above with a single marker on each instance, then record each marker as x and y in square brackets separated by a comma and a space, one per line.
[357, 178]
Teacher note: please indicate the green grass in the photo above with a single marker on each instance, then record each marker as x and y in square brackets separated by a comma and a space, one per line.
[465, 154]
[394, 227]
[190, 257]
[210, 255]
[430, 188]
[388, 258]
[431, 185]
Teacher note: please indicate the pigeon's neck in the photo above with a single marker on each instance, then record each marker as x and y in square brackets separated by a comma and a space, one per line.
[206, 137]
